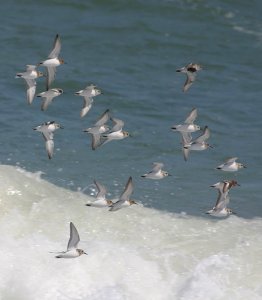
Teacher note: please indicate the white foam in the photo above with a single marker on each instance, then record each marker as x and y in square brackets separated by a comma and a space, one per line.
[135, 253]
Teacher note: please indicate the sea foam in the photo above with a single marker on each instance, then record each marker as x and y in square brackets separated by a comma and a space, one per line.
[135, 253]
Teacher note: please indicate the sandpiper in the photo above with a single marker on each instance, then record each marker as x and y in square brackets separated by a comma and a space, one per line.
[156, 172]
[199, 143]
[72, 250]
[225, 186]
[30, 77]
[88, 93]
[231, 165]
[188, 125]
[220, 209]
[116, 133]
[190, 70]
[47, 129]
[48, 97]
[53, 61]
[98, 128]
[101, 200]
[124, 199]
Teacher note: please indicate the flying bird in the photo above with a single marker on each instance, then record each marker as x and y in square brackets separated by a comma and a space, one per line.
[188, 125]
[231, 165]
[190, 70]
[101, 200]
[48, 97]
[47, 129]
[53, 61]
[198, 144]
[30, 77]
[99, 128]
[88, 93]
[72, 246]
[124, 200]
[220, 209]
[156, 172]
[116, 133]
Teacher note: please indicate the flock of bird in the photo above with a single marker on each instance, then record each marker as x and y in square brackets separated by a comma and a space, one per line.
[102, 133]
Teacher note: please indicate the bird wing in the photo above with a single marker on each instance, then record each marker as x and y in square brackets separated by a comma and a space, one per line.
[189, 80]
[31, 88]
[90, 87]
[185, 153]
[221, 200]
[231, 160]
[51, 71]
[118, 124]
[117, 205]
[74, 238]
[103, 118]
[157, 167]
[87, 104]
[30, 68]
[191, 117]
[128, 190]
[203, 137]
[56, 47]
[95, 141]
[46, 101]
[186, 138]
[87, 101]
[47, 135]
[49, 145]
[101, 190]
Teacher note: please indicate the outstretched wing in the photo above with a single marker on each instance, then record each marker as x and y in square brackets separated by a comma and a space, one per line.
[56, 47]
[103, 118]
[96, 141]
[191, 117]
[74, 238]
[128, 190]
[202, 138]
[51, 71]
[31, 88]
[101, 190]
[231, 160]
[119, 124]
[45, 102]
[189, 80]
[157, 167]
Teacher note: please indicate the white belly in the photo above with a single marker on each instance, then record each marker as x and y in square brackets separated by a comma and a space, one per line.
[52, 62]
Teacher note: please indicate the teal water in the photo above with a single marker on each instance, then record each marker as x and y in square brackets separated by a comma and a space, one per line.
[131, 50]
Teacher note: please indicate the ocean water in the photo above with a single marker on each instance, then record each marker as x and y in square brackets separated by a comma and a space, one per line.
[166, 247]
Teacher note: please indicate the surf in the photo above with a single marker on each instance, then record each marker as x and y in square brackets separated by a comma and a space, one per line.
[135, 253]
